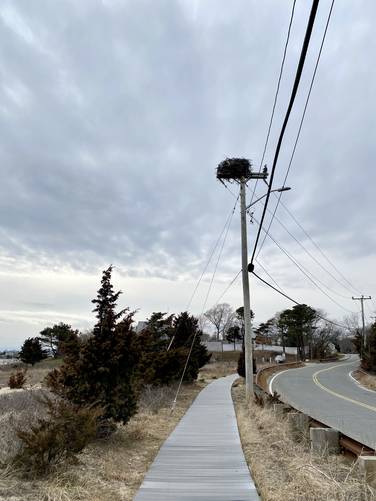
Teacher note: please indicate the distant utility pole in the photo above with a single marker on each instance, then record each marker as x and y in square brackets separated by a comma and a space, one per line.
[239, 170]
[362, 299]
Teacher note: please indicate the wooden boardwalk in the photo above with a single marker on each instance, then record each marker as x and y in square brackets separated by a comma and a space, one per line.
[202, 459]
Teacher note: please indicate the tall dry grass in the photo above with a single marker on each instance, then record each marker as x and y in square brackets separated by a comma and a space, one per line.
[111, 469]
[284, 469]
[365, 379]
[19, 409]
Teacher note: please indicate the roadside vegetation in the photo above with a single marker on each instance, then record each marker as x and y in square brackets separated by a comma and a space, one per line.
[86, 422]
[367, 380]
[285, 468]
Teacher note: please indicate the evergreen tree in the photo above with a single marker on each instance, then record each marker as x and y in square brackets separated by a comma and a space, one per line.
[164, 347]
[187, 332]
[31, 351]
[101, 370]
[54, 338]
[234, 334]
[241, 364]
[369, 353]
[299, 324]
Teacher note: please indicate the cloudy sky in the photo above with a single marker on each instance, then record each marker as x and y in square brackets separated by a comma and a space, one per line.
[113, 117]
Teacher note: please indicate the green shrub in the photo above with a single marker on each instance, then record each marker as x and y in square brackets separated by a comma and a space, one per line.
[17, 379]
[64, 432]
[368, 362]
[101, 370]
[241, 364]
[161, 366]
[31, 351]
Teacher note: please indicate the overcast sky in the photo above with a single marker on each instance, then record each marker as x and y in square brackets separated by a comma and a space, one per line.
[113, 117]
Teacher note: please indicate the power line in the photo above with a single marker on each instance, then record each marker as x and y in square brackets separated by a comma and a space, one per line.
[351, 287]
[227, 288]
[312, 257]
[298, 75]
[296, 302]
[301, 122]
[305, 272]
[216, 264]
[276, 94]
[228, 221]
[203, 308]
[271, 278]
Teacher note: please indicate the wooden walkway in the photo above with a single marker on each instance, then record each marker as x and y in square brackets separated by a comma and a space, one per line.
[202, 459]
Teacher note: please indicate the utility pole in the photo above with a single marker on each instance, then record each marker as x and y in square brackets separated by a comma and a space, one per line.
[246, 299]
[362, 299]
[239, 170]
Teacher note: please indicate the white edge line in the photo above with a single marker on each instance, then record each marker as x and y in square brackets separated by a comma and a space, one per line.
[270, 386]
[358, 383]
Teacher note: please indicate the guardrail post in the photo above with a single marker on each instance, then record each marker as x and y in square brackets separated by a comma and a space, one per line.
[324, 440]
[367, 466]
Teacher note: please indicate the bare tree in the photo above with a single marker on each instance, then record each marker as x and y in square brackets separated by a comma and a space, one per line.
[221, 317]
[325, 341]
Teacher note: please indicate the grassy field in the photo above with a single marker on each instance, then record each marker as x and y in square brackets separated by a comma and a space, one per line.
[35, 373]
[107, 470]
[285, 469]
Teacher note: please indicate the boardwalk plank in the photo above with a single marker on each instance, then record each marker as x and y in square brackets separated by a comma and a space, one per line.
[202, 459]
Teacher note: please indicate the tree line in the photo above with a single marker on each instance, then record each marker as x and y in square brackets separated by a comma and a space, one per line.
[110, 366]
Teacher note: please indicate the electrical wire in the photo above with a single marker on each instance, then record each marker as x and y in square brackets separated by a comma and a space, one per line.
[227, 288]
[312, 257]
[305, 272]
[203, 309]
[271, 278]
[276, 94]
[296, 302]
[228, 220]
[350, 287]
[301, 122]
[224, 230]
[298, 75]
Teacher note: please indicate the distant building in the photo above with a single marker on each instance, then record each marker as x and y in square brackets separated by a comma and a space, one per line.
[141, 326]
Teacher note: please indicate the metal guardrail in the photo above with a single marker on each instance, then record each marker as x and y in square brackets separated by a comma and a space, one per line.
[348, 445]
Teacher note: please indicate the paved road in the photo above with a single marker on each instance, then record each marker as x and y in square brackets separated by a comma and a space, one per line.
[202, 459]
[328, 393]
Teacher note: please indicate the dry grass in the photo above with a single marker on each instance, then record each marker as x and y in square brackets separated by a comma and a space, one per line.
[18, 410]
[284, 469]
[110, 469]
[35, 374]
[367, 380]
[217, 369]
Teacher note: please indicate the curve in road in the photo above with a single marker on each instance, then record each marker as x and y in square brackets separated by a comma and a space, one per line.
[331, 396]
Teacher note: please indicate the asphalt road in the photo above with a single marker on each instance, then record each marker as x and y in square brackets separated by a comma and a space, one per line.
[327, 393]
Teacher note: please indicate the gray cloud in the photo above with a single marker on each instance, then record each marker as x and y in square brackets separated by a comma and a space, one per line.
[114, 115]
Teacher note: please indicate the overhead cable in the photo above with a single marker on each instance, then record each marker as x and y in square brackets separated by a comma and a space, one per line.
[228, 221]
[304, 271]
[312, 257]
[296, 302]
[203, 308]
[298, 75]
[276, 94]
[301, 124]
[350, 287]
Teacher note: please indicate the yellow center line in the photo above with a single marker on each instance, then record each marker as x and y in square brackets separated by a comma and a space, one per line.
[339, 395]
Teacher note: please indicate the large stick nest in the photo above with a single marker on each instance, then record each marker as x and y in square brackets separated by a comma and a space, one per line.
[234, 169]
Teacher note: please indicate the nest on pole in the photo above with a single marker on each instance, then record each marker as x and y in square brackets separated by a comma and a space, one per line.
[234, 169]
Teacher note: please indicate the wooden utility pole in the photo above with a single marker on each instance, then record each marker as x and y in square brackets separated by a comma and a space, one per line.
[246, 299]
[362, 299]
[239, 170]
